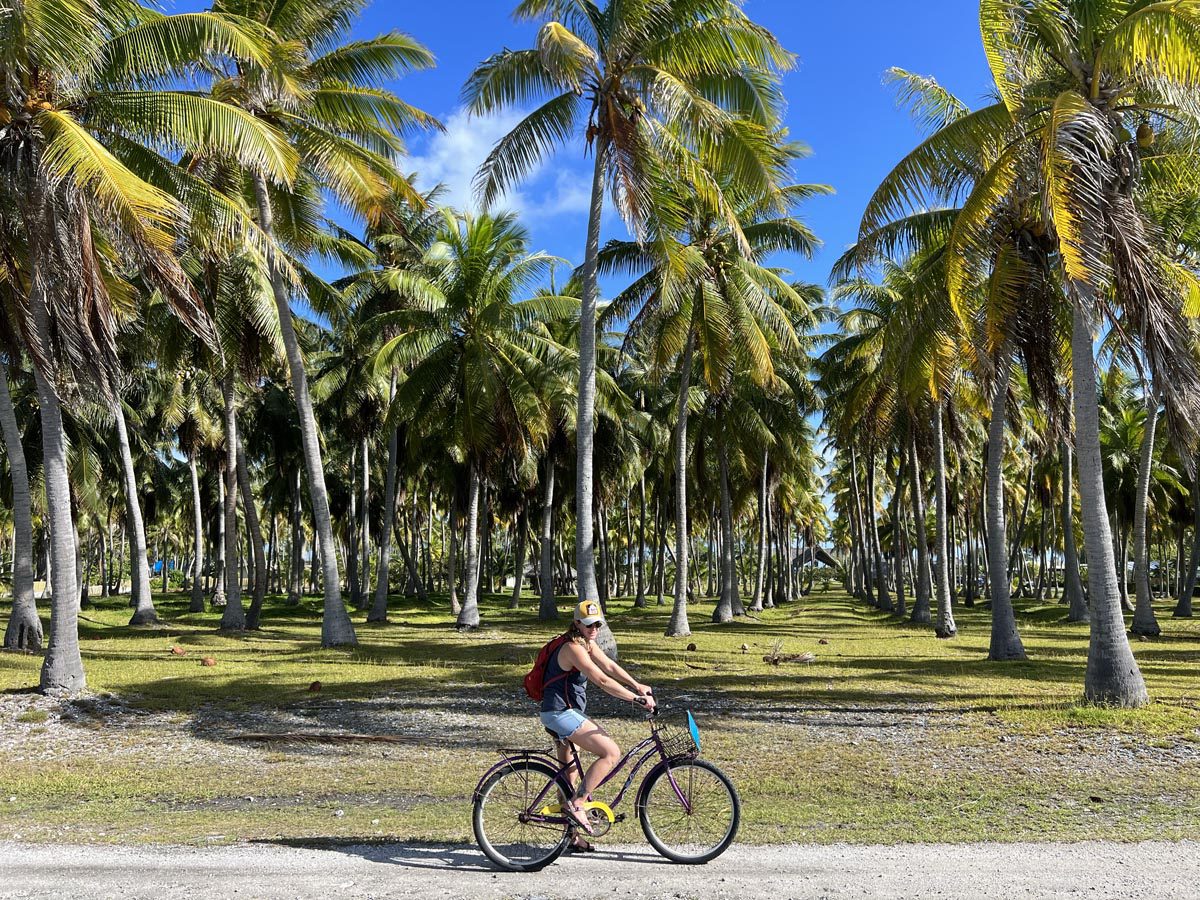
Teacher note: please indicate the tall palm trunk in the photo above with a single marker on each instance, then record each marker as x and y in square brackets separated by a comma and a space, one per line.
[234, 616]
[678, 624]
[452, 555]
[1112, 674]
[1073, 584]
[756, 603]
[254, 529]
[547, 608]
[639, 600]
[900, 607]
[197, 604]
[24, 631]
[1183, 604]
[143, 603]
[1016, 558]
[336, 628]
[922, 589]
[1144, 621]
[218, 597]
[379, 605]
[519, 558]
[296, 568]
[585, 435]
[660, 543]
[364, 528]
[728, 587]
[62, 666]
[1005, 640]
[945, 626]
[469, 616]
[352, 587]
[884, 599]
[861, 540]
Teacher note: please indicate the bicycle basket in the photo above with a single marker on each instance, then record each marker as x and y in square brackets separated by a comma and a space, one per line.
[679, 736]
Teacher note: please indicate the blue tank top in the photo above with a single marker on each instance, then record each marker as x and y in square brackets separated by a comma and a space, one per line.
[563, 693]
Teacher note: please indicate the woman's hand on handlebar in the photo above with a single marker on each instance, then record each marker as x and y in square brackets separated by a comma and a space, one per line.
[646, 700]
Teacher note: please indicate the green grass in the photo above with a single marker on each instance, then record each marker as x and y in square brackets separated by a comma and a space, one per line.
[889, 735]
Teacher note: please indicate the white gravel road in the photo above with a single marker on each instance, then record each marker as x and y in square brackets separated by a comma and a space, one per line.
[1085, 870]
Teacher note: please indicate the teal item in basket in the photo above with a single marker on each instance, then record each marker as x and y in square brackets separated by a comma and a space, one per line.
[691, 723]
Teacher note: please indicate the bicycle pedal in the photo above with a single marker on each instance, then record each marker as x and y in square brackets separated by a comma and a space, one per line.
[619, 818]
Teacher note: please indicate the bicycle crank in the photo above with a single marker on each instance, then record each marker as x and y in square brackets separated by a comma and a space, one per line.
[600, 815]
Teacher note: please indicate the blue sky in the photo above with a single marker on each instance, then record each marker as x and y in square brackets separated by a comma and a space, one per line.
[837, 103]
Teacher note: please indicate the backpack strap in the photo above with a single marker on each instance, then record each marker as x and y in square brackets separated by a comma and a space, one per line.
[561, 639]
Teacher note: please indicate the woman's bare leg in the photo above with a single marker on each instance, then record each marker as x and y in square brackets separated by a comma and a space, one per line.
[594, 739]
[562, 749]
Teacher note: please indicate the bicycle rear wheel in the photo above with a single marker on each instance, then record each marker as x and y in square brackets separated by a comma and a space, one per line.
[689, 811]
[504, 828]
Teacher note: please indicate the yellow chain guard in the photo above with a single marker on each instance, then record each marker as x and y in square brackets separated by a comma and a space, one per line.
[556, 810]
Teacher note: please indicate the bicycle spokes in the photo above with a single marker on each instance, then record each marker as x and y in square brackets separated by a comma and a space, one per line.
[510, 824]
[690, 811]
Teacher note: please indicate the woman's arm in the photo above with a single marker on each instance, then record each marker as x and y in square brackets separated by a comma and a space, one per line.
[611, 668]
[582, 660]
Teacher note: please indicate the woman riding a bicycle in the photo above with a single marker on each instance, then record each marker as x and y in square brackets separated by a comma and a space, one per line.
[564, 702]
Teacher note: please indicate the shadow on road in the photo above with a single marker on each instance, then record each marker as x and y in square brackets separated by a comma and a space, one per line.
[451, 857]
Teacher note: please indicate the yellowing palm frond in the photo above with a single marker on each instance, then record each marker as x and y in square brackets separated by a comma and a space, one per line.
[568, 59]
[1075, 145]
[71, 153]
[940, 167]
[969, 248]
[1160, 41]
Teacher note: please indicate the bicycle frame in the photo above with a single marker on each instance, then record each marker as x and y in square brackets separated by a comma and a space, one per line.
[647, 747]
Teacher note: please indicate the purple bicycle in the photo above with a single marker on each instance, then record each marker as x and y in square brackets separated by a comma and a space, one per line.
[688, 808]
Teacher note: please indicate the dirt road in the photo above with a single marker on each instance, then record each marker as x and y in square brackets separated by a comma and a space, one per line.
[1012, 871]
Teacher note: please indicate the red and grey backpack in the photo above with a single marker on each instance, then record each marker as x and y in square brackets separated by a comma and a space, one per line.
[535, 679]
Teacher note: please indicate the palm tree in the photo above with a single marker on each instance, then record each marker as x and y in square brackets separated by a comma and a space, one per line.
[319, 90]
[474, 357]
[1093, 74]
[632, 67]
[76, 159]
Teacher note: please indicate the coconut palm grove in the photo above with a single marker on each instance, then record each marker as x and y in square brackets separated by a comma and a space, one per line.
[259, 371]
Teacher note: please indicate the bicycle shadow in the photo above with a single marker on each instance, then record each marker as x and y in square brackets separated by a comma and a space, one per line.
[445, 857]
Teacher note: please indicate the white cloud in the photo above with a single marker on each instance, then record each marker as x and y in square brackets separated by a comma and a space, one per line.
[453, 157]
[570, 195]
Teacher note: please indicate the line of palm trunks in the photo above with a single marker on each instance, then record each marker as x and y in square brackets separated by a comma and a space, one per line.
[1039, 564]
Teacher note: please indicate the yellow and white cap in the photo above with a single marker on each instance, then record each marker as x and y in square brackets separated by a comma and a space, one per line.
[588, 613]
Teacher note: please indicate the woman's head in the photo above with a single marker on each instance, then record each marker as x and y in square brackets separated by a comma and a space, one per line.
[588, 619]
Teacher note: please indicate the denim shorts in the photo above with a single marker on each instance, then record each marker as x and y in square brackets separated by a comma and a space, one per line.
[563, 722]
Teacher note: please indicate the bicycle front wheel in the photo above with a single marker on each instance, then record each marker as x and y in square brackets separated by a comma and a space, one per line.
[509, 832]
[689, 811]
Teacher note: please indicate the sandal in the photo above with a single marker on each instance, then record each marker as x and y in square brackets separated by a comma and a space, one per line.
[578, 815]
[580, 845]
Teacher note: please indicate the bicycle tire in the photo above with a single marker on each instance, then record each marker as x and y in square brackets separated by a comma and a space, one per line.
[657, 800]
[527, 778]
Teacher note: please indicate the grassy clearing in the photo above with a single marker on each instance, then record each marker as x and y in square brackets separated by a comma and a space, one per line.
[889, 735]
